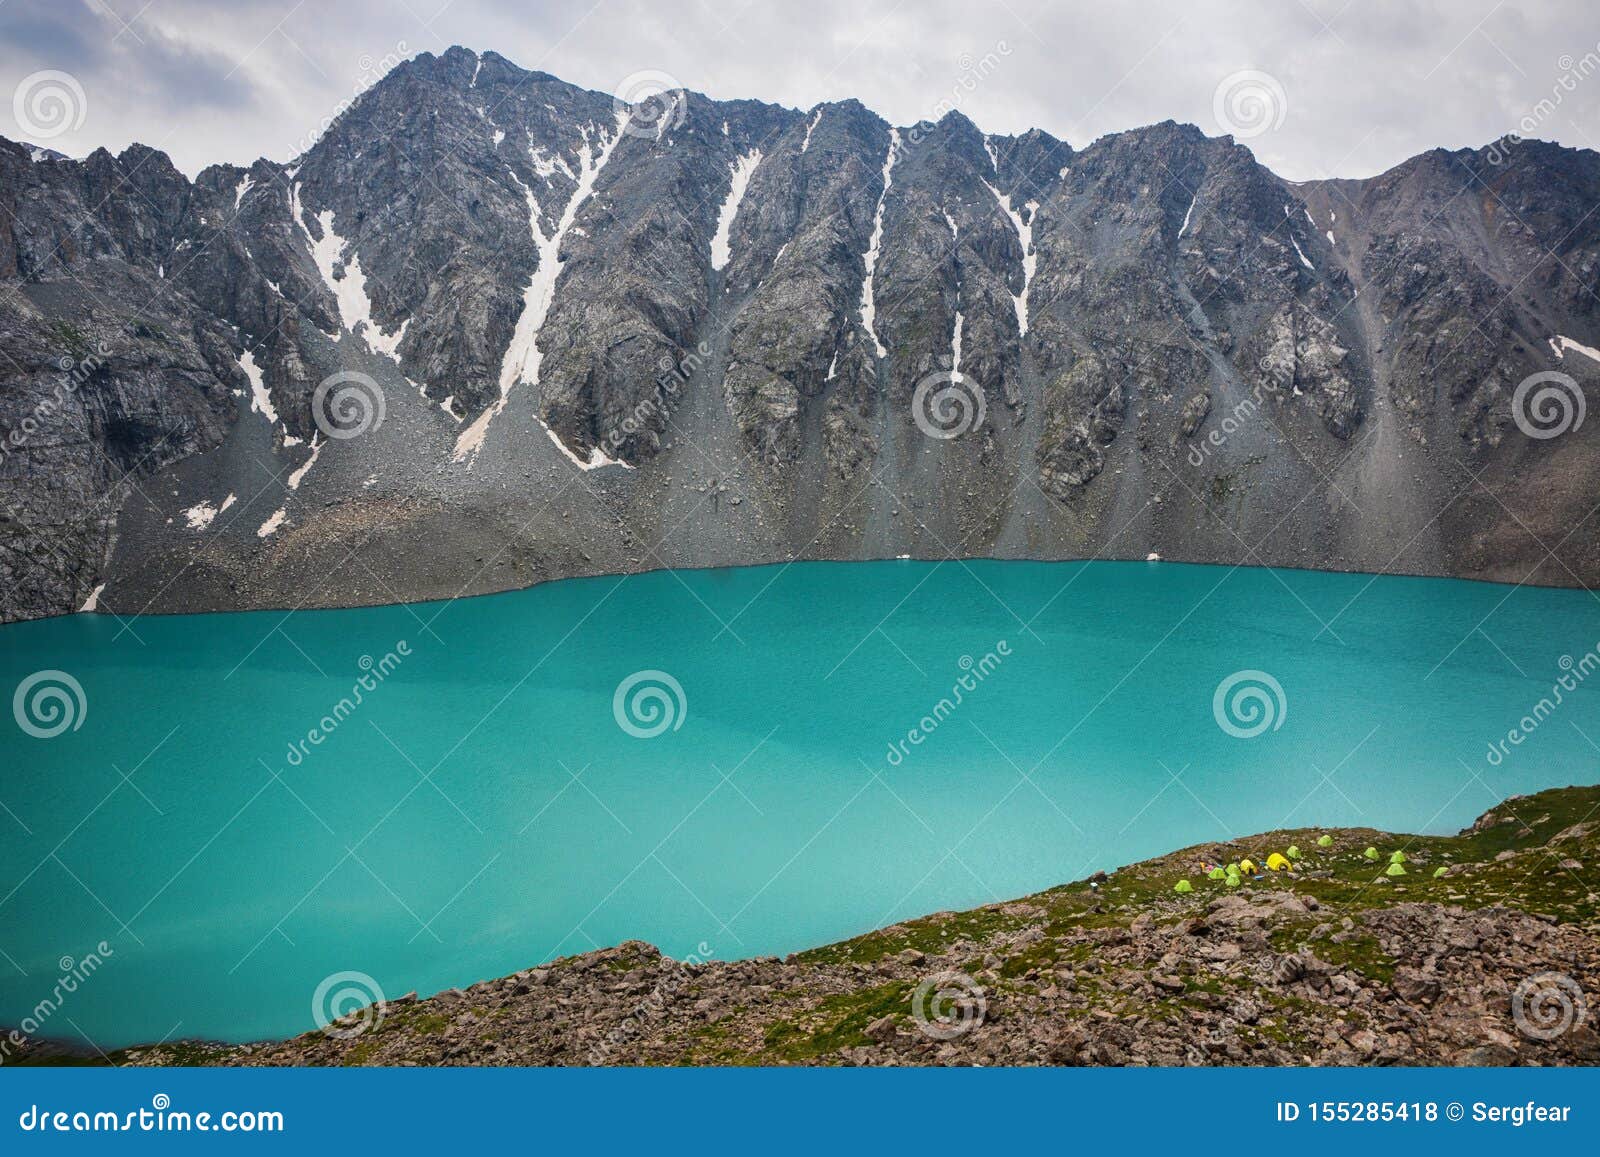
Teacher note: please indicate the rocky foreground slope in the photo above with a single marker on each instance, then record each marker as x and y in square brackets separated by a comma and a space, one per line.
[1494, 962]
[492, 328]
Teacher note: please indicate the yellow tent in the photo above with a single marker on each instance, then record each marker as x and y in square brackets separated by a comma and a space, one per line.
[1247, 867]
[1277, 863]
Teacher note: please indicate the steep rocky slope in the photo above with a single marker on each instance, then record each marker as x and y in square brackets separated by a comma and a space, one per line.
[1483, 949]
[492, 328]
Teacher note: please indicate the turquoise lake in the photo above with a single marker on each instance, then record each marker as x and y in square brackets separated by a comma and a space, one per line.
[483, 809]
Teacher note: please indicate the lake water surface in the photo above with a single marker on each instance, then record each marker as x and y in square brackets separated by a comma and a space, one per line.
[489, 805]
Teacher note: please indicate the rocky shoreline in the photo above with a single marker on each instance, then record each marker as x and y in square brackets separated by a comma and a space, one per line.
[1483, 949]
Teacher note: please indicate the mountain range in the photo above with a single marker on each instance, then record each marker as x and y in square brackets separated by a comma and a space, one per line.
[493, 328]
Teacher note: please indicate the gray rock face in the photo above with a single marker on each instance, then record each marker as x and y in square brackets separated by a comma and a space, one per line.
[572, 338]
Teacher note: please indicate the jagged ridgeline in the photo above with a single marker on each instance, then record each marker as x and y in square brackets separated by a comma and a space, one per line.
[493, 328]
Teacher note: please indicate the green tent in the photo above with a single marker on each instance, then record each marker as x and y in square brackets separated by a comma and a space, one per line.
[1397, 857]
[1324, 841]
[1395, 870]
[1183, 886]
[1216, 874]
[1233, 879]
[1371, 853]
[1294, 852]
[1438, 873]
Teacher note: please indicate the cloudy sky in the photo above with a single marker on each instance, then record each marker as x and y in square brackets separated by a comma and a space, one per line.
[1316, 87]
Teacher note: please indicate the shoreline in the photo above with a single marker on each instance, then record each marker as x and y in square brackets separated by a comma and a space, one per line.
[1341, 961]
[1130, 560]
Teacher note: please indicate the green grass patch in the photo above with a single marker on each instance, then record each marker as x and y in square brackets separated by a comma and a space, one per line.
[837, 1022]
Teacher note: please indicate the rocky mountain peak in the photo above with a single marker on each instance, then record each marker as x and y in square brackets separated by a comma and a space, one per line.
[588, 329]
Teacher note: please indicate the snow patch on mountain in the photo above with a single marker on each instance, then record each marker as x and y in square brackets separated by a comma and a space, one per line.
[387, 344]
[1288, 213]
[260, 400]
[1304, 260]
[547, 165]
[522, 356]
[869, 304]
[201, 515]
[305, 467]
[270, 527]
[1030, 259]
[810, 128]
[597, 457]
[350, 289]
[743, 168]
[1561, 344]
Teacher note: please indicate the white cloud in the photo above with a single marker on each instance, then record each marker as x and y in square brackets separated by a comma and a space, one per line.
[1367, 83]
